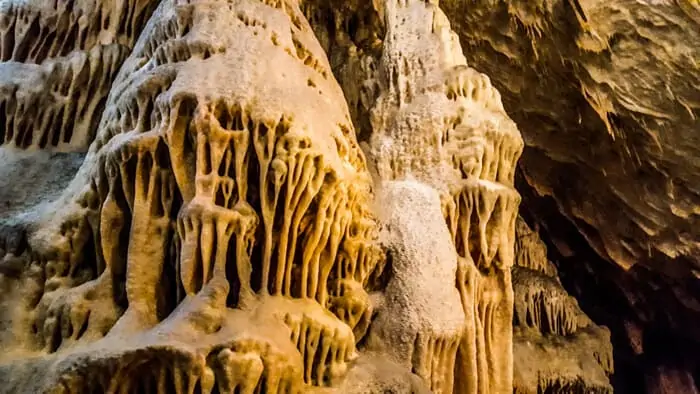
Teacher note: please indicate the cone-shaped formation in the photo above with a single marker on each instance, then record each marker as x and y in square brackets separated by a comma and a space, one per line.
[220, 235]
[420, 322]
[206, 169]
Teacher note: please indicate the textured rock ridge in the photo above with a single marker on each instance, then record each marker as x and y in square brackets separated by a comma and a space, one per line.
[59, 59]
[220, 230]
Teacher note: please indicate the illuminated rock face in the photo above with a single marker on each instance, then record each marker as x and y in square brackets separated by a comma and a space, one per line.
[219, 228]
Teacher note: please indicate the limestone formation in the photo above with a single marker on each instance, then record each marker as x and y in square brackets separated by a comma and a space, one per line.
[573, 354]
[442, 142]
[266, 196]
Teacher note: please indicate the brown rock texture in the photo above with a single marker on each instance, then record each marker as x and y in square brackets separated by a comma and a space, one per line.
[187, 208]
[283, 196]
[628, 75]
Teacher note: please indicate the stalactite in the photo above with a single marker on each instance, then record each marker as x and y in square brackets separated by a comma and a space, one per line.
[325, 343]
[351, 304]
[530, 251]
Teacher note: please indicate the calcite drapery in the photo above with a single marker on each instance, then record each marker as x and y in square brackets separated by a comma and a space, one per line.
[574, 354]
[220, 233]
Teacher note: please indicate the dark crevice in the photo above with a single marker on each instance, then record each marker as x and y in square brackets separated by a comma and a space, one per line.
[167, 289]
[30, 36]
[232, 275]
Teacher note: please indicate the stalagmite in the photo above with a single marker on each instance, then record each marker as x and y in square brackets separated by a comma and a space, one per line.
[203, 197]
[441, 123]
[420, 324]
[221, 230]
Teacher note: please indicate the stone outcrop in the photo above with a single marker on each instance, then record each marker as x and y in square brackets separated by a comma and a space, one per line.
[200, 216]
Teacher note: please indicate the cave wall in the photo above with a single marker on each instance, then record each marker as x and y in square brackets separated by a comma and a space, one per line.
[606, 96]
